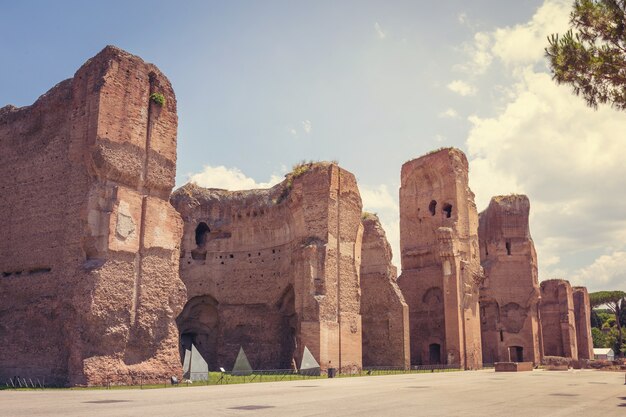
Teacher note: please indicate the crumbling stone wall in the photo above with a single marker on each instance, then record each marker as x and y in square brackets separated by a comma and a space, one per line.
[558, 325]
[89, 252]
[582, 315]
[441, 268]
[509, 296]
[384, 311]
[274, 270]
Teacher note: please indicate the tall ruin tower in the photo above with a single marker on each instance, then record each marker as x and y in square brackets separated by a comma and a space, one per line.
[558, 320]
[90, 244]
[582, 315]
[509, 296]
[441, 268]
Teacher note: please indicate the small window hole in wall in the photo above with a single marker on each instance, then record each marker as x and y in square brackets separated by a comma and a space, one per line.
[447, 209]
[508, 247]
[501, 336]
[432, 207]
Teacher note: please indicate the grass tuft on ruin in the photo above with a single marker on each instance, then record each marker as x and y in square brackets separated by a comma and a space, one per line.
[158, 98]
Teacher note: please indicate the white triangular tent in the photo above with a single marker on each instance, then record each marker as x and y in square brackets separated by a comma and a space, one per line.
[309, 365]
[242, 365]
[195, 367]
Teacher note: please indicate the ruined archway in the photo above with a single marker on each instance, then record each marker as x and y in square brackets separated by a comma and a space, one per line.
[198, 324]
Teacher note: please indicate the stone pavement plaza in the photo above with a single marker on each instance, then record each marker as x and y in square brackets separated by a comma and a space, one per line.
[471, 393]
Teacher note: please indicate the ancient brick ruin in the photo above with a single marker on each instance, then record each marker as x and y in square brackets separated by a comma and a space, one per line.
[384, 312]
[582, 315]
[89, 249]
[102, 281]
[558, 325]
[509, 296]
[441, 269]
[274, 270]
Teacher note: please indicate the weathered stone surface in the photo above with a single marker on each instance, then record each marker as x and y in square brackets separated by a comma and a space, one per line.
[274, 270]
[582, 315]
[441, 269]
[384, 311]
[89, 251]
[509, 296]
[558, 325]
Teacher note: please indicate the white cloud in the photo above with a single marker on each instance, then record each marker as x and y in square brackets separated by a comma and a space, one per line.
[479, 53]
[525, 43]
[608, 272]
[545, 142]
[379, 31]
[307, 126]
[462, 88]
[462, 18]
[449, 113]
[377, 199]
[229, 179]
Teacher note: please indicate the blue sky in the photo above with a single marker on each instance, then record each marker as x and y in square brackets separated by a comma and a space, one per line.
[263, 85]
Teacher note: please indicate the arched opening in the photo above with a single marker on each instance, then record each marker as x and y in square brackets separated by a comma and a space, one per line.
[432, 207]
[286, 306]
[447, 210]
[516, 354]
[508, 247]
[202, 236]
[202, 230]
[434, 354]
[198, 324]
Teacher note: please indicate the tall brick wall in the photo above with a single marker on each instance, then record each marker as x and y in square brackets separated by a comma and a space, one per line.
[509, 296]
[274, 270]
[558, 324]
[89, 257]
[384, 311]
[441, 268]
[582, 315]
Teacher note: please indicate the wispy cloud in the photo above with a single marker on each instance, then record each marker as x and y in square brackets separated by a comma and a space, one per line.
[462, 88]
[449, 113]
[379, 31]
[307, 126]
[229, 179]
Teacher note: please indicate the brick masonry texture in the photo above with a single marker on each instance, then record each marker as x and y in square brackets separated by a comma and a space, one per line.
[89, 249]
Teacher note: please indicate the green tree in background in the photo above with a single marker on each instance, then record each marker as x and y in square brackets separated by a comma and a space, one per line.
[599, 338]
[591, 56]
[615, 302]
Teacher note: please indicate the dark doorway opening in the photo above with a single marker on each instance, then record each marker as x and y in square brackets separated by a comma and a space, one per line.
[516, 353]
[289, 323]
[198, 324]
[434, 354]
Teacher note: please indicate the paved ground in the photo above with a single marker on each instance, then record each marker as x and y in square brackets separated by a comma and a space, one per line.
[478, 393]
